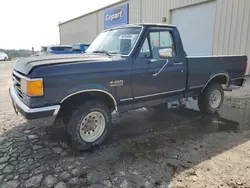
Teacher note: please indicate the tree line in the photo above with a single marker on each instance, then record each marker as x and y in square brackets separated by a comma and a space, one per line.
[17, 53]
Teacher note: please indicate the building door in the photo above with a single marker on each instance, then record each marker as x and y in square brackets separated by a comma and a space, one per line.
[196, 26]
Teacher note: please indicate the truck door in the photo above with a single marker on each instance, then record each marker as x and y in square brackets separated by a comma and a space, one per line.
[153, 74]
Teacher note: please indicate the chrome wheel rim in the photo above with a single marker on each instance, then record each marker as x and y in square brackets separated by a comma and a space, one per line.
[92, 126]
[215, 99]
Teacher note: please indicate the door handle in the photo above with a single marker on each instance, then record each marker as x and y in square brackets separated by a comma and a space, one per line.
[156, 74]
[152, 60]
[179, 63]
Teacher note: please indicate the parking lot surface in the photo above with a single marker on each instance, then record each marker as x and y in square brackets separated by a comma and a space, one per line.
[160, 148]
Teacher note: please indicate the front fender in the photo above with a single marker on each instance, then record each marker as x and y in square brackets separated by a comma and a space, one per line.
[90, 88]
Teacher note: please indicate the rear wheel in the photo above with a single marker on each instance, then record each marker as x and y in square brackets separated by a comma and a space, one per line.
[88, 126]
[211, 99]
[5, 59]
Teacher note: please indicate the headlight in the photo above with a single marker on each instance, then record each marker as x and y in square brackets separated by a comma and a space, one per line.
[32, 87]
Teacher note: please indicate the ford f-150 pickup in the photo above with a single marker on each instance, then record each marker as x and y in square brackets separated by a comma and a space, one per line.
[125, 68]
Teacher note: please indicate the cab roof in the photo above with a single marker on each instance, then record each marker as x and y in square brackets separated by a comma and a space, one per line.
[143, 25]
[155, 24]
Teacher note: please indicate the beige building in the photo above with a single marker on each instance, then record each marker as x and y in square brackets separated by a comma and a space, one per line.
[207, 27]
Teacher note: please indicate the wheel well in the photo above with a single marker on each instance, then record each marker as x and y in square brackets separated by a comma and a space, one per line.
[218, 79]
[74, 101]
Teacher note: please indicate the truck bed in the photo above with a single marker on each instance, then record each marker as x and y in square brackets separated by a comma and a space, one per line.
[201, 69]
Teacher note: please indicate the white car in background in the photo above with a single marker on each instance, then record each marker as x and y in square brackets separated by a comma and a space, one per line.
[3, 56]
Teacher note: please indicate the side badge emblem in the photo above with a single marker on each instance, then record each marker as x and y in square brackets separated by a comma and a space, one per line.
[116, 83]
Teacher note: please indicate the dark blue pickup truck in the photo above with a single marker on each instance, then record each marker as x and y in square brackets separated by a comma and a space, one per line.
[125, 68]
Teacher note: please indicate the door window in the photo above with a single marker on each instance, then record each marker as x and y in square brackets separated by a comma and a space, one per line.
[145, 52]
[161, 40]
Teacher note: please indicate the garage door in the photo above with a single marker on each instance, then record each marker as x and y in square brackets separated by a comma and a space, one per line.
[196, 26]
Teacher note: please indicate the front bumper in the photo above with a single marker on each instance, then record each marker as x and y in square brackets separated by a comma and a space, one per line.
[32, 113]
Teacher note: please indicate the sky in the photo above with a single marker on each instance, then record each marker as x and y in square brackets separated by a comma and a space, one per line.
[32, 23]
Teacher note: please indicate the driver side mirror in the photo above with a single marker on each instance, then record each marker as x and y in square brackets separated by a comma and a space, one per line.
[165, 53]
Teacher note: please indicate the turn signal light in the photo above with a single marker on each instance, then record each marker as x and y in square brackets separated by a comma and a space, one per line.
[32, 88]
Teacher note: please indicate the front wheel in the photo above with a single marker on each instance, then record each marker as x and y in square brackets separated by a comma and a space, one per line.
[211, 99]
[88, 126]
[5, 59]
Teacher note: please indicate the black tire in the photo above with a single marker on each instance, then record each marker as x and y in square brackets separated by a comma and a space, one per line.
[204, 99]
[78, 116]
[5, 59]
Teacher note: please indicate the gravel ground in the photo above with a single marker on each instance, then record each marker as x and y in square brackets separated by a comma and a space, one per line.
[162, 148]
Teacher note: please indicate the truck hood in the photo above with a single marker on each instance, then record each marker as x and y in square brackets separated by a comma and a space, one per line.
[26, 65]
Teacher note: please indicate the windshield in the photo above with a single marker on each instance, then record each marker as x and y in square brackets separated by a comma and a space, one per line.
[116, 41]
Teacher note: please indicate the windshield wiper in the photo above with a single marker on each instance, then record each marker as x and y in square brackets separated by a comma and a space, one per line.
[102, 51]
[116, 53]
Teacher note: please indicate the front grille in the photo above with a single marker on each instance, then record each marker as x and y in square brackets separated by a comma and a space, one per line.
[17, 84]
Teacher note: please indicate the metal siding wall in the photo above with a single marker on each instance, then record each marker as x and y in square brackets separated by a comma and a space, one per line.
[134, 11]
[153, 10]
[100, 21]
[84, 29]
[80, 30]
[248, 38]
[232, 28]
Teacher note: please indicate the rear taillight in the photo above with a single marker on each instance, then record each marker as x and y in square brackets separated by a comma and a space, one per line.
[245, 70]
